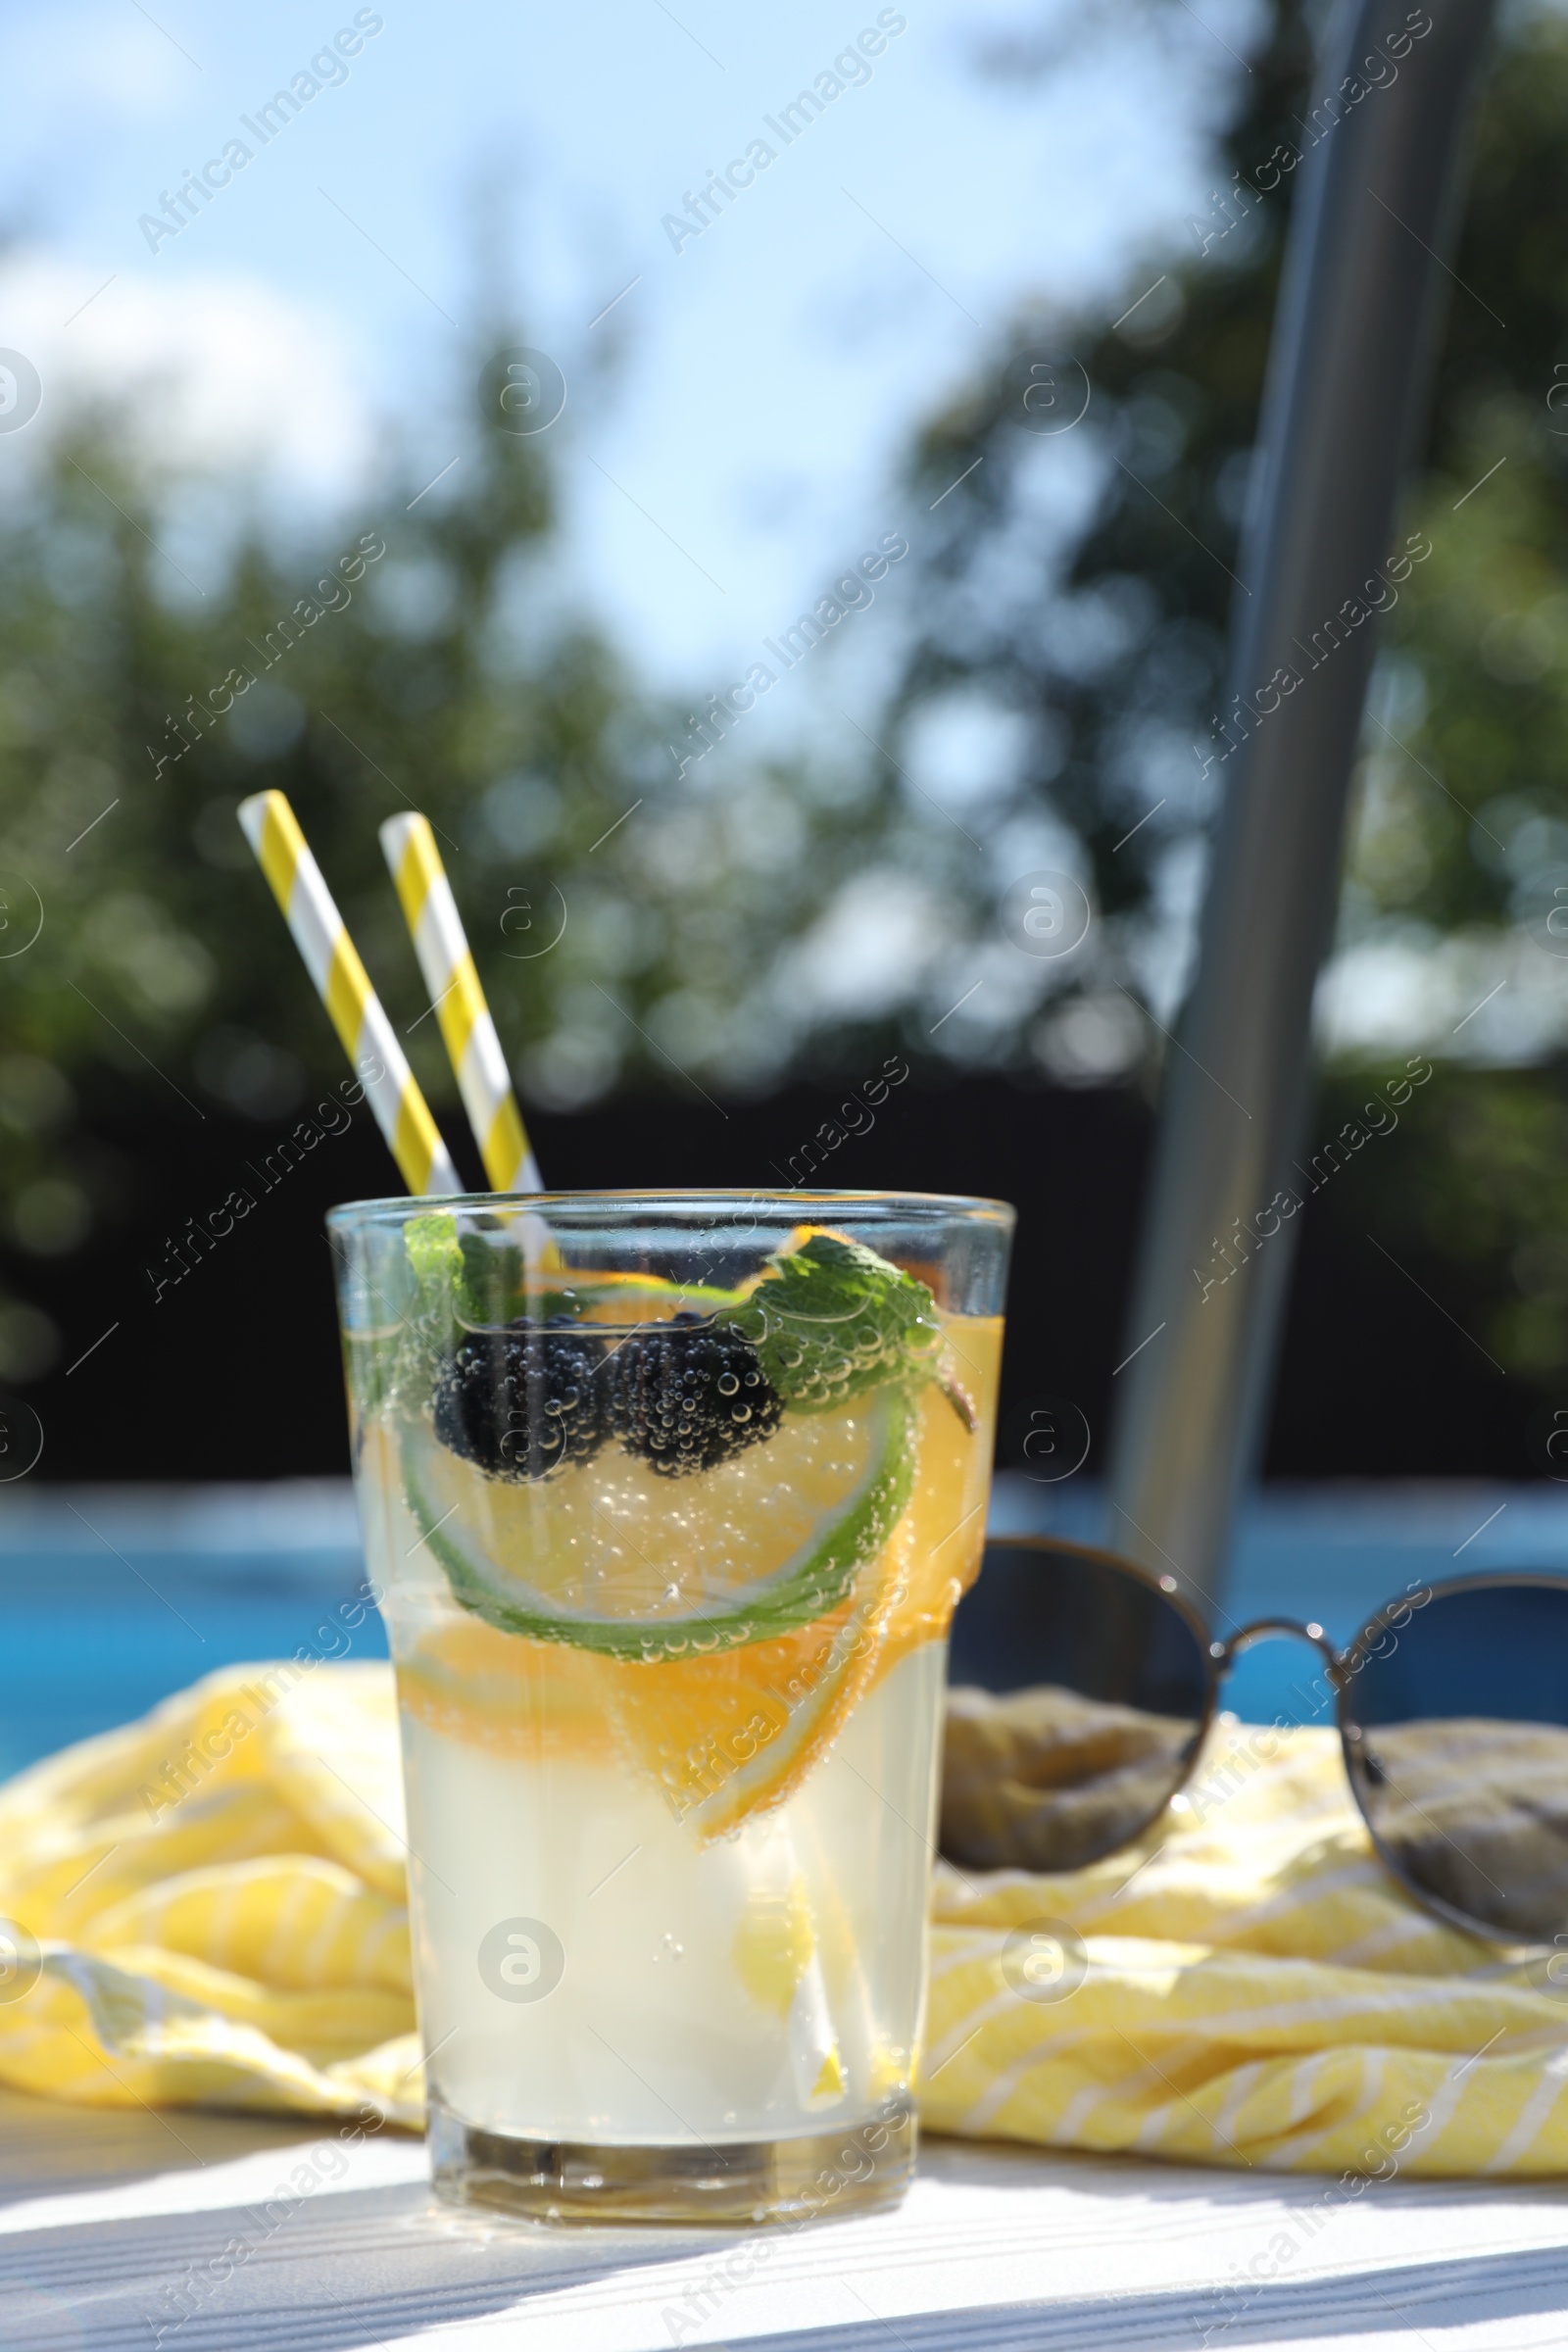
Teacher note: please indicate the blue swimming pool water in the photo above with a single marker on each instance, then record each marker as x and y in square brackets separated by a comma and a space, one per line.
[1331, 1551]
[110, 1599]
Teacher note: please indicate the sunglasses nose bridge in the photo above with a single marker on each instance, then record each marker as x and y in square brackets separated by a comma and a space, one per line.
[1276, 1628]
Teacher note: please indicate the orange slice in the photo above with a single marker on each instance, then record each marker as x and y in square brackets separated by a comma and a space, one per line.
[537, 1699]
[730, 1735]
[722, 1737]
[947, 1515]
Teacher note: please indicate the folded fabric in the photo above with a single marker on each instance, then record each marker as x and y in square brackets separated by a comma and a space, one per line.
[216, 1896]
[1245, 1983]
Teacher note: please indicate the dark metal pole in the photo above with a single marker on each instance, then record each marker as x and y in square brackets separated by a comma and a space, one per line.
[1349, 370]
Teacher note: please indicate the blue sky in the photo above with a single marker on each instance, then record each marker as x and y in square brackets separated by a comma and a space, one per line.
[735, 424]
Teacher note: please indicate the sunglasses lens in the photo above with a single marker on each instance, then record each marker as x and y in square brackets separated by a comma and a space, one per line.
[1079, 1694]
[1456, 1739]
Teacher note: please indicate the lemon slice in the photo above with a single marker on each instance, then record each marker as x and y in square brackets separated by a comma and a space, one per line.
[609, 1556]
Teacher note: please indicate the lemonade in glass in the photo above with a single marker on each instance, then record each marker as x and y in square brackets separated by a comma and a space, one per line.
[670, 1499]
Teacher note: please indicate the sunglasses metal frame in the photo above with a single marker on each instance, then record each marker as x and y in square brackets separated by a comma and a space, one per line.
[1341, 1667]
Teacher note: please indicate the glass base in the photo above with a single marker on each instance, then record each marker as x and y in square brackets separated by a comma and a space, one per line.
[847, 2171]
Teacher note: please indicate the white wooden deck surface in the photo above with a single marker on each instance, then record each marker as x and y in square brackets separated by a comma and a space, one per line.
[110, 2224]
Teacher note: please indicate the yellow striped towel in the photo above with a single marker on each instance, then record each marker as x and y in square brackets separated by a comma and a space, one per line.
[218, 1897]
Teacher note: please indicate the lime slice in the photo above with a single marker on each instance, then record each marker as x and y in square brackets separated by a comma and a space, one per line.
[609, 1556]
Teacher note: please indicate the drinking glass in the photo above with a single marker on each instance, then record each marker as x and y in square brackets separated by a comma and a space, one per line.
[670, 1499]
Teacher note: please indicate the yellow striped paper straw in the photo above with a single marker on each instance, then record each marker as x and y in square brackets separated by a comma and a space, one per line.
[467, 1029]
[343, 985]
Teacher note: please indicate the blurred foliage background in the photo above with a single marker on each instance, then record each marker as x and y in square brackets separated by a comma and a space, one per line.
[767, 918]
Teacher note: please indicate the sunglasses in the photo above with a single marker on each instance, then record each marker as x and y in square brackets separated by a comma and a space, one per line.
[1097, 1681]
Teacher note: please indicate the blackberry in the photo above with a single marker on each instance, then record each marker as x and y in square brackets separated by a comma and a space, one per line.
[687, 1396]
[522, 1400]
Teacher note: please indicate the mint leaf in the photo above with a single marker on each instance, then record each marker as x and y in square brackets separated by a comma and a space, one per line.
[435, 1258]
[833, 1320]
[492, 1286]
[442, 1301]
[394, 1362]
[460, 1278]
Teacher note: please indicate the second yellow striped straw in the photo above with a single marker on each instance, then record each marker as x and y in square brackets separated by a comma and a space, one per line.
[467, 1028]
[344, 988]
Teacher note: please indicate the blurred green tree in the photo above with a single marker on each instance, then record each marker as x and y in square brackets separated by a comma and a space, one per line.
[1067, 612]
[1105, 646]
[425, 661]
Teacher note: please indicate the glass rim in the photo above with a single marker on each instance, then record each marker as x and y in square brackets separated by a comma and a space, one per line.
[693, 1203]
